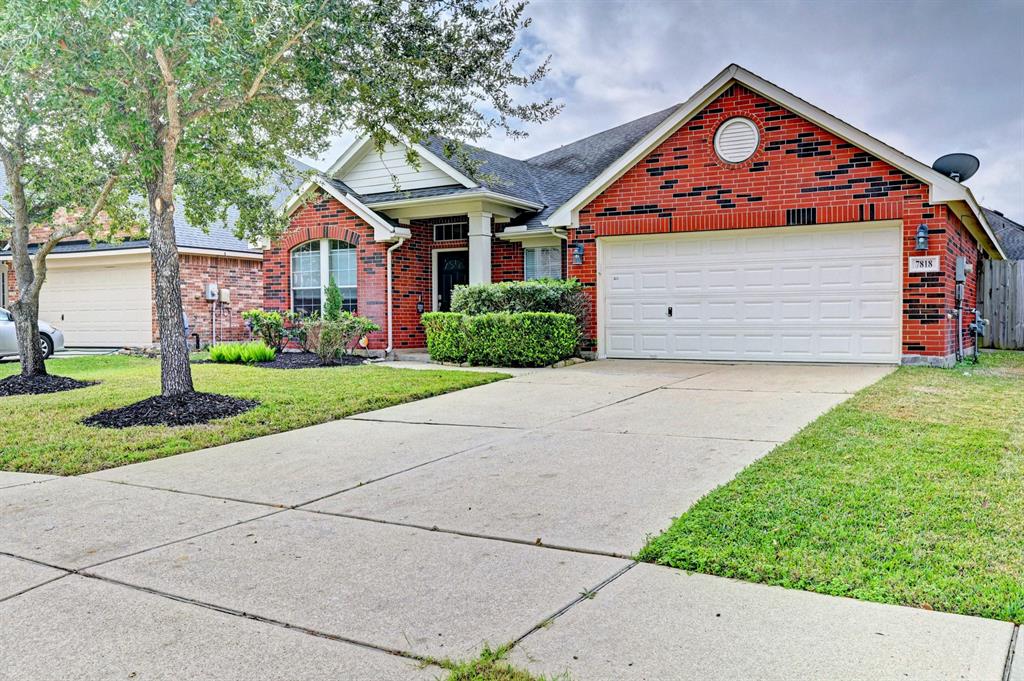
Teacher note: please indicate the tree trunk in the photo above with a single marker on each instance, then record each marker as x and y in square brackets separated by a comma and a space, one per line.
[26, 325]
[175, 371]
[26, 308]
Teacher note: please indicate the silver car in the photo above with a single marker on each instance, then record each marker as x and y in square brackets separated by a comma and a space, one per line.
[50, 339]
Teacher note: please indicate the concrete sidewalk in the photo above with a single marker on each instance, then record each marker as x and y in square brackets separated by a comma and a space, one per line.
[362, 548]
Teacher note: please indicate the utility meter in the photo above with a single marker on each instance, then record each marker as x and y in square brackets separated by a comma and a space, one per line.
[225, 295]
[211, 292]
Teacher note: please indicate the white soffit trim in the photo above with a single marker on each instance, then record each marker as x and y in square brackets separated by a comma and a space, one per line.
[941, 188]
[468, 196]
[221, 253]
[363, 146]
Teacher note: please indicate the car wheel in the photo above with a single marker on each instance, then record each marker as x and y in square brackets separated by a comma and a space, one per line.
[46, 345]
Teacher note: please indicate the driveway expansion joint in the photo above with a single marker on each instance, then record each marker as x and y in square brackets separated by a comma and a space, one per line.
[177, 541]
[258, 618]
[473, 535]
[584, 596]
[1011, 654]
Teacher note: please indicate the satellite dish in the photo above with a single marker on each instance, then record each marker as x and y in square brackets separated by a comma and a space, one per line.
[957, 166]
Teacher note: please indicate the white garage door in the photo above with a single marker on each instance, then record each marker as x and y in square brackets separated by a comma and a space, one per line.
[829, 294]
[100, 301]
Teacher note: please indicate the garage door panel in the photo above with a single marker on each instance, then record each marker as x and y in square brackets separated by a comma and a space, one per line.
[104, 304]
[813, 293]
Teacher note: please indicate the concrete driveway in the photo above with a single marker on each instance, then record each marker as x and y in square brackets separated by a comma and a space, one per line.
[507, 512]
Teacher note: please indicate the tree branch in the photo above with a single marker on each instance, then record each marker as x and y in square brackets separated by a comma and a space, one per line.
[234, 102]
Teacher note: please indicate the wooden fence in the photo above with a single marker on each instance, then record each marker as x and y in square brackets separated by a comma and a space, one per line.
[1001, 301]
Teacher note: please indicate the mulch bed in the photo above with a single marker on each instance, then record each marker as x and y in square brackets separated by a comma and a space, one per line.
[39, 385]
[307, 360]
[180, 410]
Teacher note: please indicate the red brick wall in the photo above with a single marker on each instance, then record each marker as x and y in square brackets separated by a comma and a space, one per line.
[506, 261]
[243, 276]
[412, 265]
[328, 218]
[800, 174]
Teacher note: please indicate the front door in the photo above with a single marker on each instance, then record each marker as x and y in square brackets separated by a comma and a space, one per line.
[452, 270]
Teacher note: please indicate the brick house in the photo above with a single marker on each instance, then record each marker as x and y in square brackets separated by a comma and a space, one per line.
[742, 224]
[103, 295]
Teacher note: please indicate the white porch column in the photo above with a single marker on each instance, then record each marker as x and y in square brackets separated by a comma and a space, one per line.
[479, 248]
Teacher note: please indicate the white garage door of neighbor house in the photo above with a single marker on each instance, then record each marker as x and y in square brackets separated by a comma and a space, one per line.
[821, 293]
[101, 304]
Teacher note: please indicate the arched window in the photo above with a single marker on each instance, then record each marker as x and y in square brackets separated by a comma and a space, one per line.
[314, 264]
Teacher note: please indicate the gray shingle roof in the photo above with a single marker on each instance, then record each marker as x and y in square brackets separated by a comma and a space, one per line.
[1009, 233]
[220, 237]
[550, 179]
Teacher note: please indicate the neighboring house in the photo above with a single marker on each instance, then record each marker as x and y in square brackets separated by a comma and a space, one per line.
[102, 295]
[742, 224]
[1009, 233]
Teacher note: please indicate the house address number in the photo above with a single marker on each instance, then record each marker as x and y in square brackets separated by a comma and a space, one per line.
[924, 263]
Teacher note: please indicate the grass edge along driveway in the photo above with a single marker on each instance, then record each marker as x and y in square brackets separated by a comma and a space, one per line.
[911, 492]
[43, 433]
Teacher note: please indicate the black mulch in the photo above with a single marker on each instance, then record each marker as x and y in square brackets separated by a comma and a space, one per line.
[306, 360]
[39, 385]
[180, 410]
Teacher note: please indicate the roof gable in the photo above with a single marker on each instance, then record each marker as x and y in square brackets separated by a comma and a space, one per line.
[941, 188]
[369, 171]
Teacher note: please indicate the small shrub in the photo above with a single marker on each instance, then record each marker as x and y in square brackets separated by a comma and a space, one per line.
[446, 336]
[328, 338]
[242, 353]
[332, 302]
[522, 339]
[295, 329]
[267, 326]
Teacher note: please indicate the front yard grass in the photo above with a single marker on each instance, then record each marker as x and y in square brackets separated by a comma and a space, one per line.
[43, 433]
[912, 493]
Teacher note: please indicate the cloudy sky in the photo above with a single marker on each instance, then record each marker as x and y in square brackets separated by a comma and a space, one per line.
[926, 77]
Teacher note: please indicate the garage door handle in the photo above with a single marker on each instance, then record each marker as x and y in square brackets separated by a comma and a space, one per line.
[669, 310]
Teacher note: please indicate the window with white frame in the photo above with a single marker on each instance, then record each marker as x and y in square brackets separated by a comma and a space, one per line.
[314, 265]
[544, 262]
[451, 229]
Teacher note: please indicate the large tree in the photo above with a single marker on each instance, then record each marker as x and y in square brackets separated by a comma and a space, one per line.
[210, 95]
[59, 172]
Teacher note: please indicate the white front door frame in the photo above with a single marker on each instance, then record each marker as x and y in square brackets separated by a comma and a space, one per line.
[434, 293]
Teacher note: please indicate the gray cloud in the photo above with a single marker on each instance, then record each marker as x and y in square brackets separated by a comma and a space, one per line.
[926, 77]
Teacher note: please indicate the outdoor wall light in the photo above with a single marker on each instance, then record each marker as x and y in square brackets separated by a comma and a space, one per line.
[922, 237]
[577, 254]
[419, 306]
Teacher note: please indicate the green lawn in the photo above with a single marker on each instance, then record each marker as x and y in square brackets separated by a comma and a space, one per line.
[912, 493]
[43, 433]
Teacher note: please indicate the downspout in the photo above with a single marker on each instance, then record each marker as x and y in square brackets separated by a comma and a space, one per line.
[391, 340]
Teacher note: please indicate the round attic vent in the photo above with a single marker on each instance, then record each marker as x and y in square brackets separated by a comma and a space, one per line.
[736, 140]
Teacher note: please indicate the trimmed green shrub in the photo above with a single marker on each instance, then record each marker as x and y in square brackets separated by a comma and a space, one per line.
[541, 295]
[242, 353]
[446, 336]
[329, 338]
[521, 339]
[268, 326]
